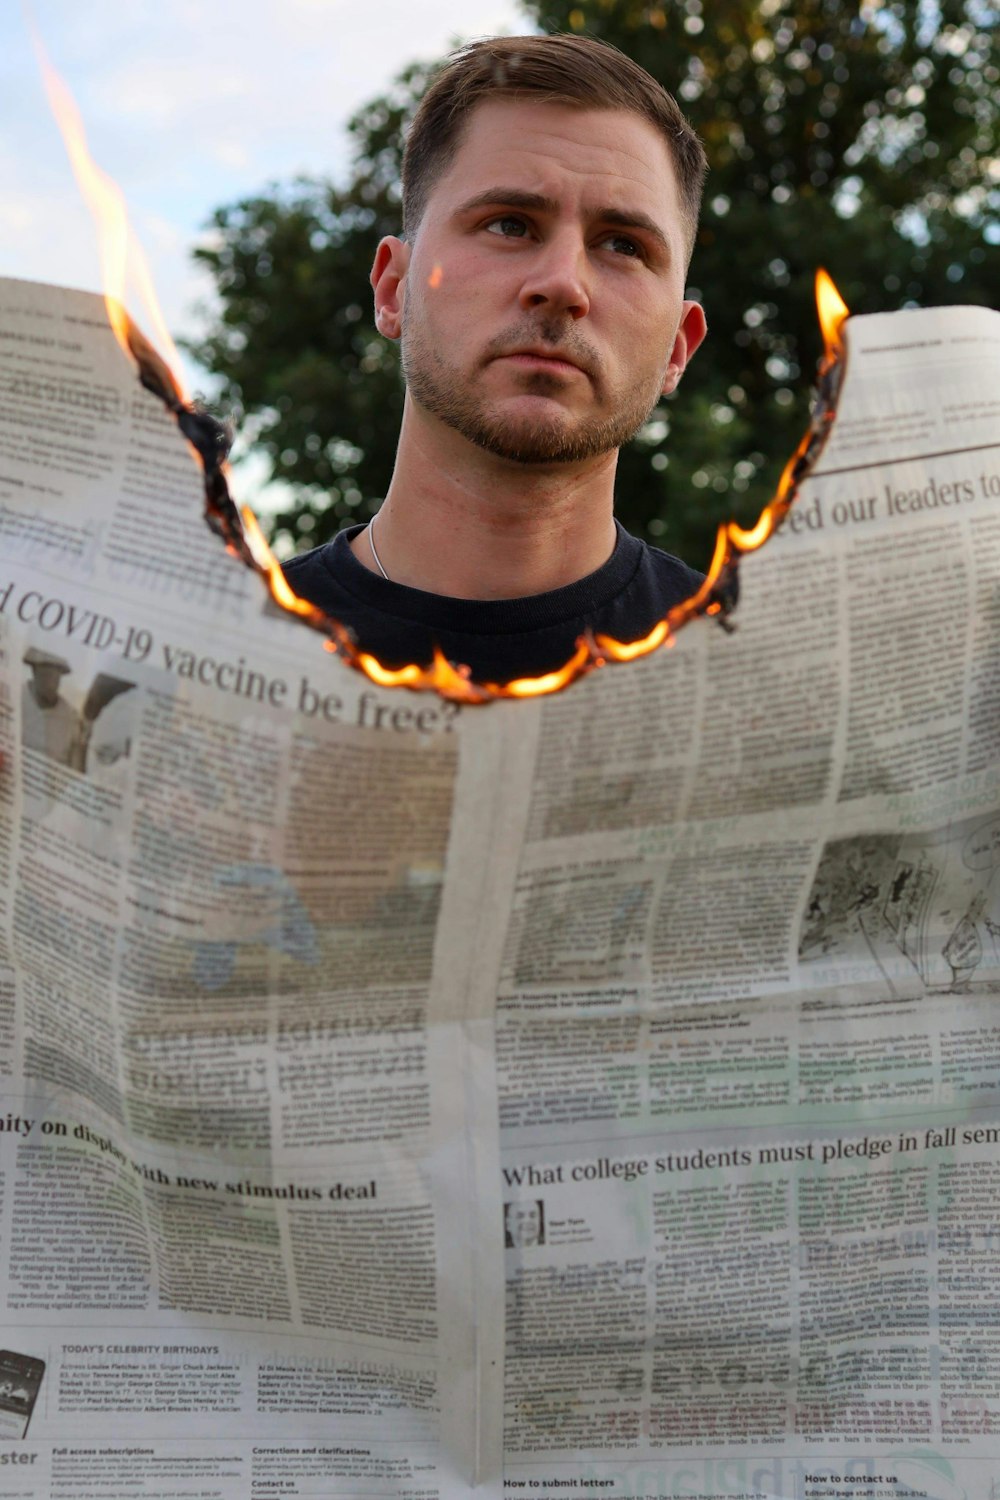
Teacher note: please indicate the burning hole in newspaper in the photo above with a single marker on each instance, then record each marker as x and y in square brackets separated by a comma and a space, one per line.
[239, 529]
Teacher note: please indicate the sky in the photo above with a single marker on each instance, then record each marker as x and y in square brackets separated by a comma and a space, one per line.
[191, 105]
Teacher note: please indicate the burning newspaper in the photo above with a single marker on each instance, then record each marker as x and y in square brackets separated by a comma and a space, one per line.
[669, 999]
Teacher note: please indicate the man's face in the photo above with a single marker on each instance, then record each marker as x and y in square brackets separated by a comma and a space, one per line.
[542, 305]
[525, 1223]
[47, 680]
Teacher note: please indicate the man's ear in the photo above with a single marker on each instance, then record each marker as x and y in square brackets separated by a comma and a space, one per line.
[690, 333]
[388, 279]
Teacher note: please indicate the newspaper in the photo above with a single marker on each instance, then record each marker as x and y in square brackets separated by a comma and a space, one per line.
[747, 1027]
[674, 991]
[247, 1113]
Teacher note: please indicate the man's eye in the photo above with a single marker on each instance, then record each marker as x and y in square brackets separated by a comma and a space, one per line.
[623, 245]
[509, 226]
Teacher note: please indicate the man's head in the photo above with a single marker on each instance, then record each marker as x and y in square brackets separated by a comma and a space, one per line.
[574, 71]
[525, 1223]
[550, 190]
[47, 672]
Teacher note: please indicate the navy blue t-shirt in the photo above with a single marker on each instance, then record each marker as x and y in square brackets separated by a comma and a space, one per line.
[498, 638]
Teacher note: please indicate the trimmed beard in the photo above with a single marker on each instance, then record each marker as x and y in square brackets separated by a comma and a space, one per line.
[442, 391]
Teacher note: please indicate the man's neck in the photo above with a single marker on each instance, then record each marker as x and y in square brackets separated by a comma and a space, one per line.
[459, 522]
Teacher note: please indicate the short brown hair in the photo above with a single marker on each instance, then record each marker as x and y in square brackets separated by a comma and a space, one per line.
[561, 69]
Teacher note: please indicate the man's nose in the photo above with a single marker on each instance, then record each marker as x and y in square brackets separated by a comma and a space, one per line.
[558, 278]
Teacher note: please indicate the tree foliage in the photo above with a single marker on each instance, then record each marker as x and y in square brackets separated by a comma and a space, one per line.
[862, 140]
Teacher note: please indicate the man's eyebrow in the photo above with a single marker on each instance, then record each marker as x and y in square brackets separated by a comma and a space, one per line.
[518, 198]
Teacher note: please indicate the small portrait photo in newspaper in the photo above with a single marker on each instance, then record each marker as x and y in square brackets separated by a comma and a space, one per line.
[524, 1224]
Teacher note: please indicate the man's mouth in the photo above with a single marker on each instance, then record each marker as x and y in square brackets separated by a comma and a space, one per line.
[538, 359]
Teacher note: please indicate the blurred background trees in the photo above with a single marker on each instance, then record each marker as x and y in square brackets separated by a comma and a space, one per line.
[864, 140]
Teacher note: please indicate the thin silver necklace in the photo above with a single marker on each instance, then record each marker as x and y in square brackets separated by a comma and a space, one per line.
[371, 543]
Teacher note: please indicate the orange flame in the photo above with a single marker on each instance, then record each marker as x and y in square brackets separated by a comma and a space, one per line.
[122, 257]
[121, 253]
[271, 568]
[833, 314]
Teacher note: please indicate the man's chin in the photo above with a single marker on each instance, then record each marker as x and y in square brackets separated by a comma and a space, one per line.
[555, 442]
[534, 455]
[526, 430]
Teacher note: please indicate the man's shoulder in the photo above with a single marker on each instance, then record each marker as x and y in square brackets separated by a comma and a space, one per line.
[328, 575]
[672, 572]
[317, 563]
[658, 582]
